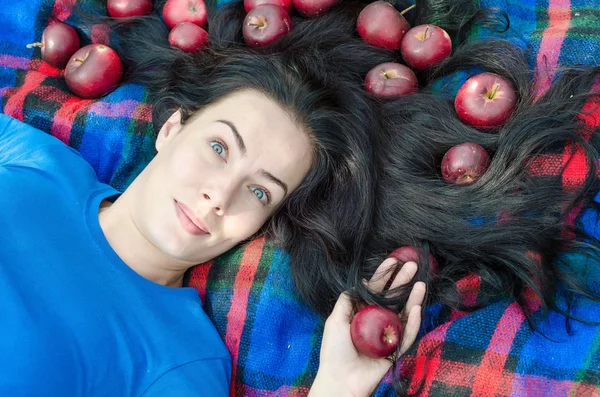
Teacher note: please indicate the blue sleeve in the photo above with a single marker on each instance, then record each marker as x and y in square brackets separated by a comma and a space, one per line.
[203, 378]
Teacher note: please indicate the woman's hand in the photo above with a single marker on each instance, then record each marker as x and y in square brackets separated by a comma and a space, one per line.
[343, 372]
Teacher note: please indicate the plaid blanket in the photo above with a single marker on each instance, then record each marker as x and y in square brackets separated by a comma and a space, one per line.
[274, 338]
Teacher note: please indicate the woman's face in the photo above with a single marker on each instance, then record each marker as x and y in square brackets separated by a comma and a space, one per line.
[218, 178]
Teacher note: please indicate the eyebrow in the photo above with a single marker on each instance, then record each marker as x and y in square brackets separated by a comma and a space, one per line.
[242, 146]
[238, 138]
[274, 179]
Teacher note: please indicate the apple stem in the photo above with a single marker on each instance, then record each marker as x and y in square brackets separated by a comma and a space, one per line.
[407, 9]
[258, 22]
[34, 45]
[494, 90]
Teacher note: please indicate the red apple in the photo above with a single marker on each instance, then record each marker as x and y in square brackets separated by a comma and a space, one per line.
[425, 45]
[463, 164]
[381, 25]
[409, 253]
[485, 101]
[391, 80]
[313, 8]
[376, 331]
[286, 4]
[93, 71]
[188, 37]
[265, 24]
[59, 43]
[128, 8]
[177, 11]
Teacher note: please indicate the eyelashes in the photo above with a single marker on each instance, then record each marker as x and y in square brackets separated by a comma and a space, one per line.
[265, 196]
[220, 148]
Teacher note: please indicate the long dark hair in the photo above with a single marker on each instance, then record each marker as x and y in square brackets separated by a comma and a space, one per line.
[512, 225]
[316, 74]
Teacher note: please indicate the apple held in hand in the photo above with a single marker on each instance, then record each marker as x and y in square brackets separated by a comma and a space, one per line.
[409, 253]
[188, 37]
[463, 164]
[376, 331]
[391, 80]
[93, 71]
[128, 8]
[486, 100]
[424, 46]
[313, 8]
[381, 25]
[59, 43]
[265, 24]
[286, 4]
[177, 11]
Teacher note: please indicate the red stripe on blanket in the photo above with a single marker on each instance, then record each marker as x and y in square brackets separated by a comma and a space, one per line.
[62, 9]
[62, 123]
[143, 112]
[559, 19]
[428, 360]
[14, 105]
[199, 278]
[461, 375]
[576, 167]
[468, 289]
[491, 374]
[590, 113]
[236, 318]
[42, 67]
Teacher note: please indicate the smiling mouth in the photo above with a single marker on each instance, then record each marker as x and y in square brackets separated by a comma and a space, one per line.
[188, 221]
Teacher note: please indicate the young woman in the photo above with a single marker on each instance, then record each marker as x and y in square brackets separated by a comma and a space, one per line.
[248, 143]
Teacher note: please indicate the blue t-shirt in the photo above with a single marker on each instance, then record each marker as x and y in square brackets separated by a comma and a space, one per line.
[75, 320]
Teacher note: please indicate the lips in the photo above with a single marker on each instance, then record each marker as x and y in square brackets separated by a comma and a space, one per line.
[189, 222]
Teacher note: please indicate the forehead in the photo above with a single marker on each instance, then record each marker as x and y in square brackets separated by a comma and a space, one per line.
[273, 139]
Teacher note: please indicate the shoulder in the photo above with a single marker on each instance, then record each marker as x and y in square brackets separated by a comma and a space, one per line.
[23, 144]
[25, 147]
[206, 377]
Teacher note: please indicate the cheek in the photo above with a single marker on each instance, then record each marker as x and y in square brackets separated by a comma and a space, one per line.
[188, 165]
[242, 225]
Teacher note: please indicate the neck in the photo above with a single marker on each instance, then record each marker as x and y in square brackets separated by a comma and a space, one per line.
[135, 250]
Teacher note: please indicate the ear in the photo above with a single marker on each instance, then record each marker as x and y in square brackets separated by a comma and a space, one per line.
[169, 130]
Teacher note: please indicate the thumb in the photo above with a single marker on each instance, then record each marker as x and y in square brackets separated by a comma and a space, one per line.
[342, 310]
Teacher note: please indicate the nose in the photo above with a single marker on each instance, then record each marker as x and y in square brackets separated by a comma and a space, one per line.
[218, 200]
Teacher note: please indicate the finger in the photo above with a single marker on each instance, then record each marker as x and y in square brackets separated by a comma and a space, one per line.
[406, 273]
[411, 329]
[343, 308]
[382, 275]
[416, 297]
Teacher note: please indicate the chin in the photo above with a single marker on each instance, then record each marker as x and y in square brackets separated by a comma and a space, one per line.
[175, 244]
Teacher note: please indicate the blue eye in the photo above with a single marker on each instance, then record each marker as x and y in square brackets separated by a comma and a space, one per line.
[219, 148]
[261, 194]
